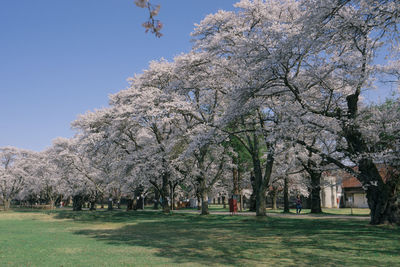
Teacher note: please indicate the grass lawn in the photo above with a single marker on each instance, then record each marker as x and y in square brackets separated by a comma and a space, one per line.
[145, 238]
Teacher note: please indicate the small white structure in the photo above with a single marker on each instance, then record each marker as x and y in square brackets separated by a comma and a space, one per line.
[193, 203]
[331, 192]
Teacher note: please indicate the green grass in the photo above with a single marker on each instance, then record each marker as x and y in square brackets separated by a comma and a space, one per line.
[145, 238]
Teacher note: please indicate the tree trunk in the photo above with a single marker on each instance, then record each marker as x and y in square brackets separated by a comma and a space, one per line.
[198, 202]
[164, 193]
[110, 203]
[172, 195]
[92, 205]
[52, 203]
[273, 198]
[262, 181]
[235, 175]
[77, 202]
[7, 204]
[156, 199]
[286, 195]
[140, 203]
[381, 197]
[204, 195]
[260, 202]
[315, 176]
[204, 205]
[254, 193]
[129, 205]
[260, 188]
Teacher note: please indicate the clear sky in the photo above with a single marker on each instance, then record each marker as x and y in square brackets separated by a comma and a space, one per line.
[62, 58]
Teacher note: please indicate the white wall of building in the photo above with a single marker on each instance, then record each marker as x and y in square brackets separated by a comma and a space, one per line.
[330, 192]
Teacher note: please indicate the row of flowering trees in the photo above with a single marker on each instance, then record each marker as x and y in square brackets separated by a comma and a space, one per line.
[270, 92]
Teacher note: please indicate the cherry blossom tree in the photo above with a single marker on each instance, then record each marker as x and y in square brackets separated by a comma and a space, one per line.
[44, 179]
[145, 122]
[81, 179]
[152, 24]
[318, 55]
[199, 81]
[14, 171]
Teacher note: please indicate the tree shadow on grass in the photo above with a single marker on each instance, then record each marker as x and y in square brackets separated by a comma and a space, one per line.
[115, 216]
[238, 240]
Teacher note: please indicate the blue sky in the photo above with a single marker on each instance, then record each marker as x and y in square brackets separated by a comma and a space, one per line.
[62, 58]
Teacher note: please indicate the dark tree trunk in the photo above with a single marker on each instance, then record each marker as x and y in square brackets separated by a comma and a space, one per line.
[140, 203]
[235, 175]
[261, 180]
[204, 195]
[129, 205]
[254, 193]
[260, 202]
[315, 196]
[381, 197]
[164, 193]
[198, 201]
[77, 202]
[273, 198]
[172, 202]
[172, 187]
[57, 203]
[156, 199]
[286, 195]
[223, 202]
[260, 189]
[93, 205]
[204, 205]
[110, 204]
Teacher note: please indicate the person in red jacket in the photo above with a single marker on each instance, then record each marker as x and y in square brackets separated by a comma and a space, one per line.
[298, 204]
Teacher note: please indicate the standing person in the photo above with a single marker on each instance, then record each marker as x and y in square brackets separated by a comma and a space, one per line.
[298, 204]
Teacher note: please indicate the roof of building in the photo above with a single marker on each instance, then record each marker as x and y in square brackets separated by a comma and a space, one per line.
[349, 181]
